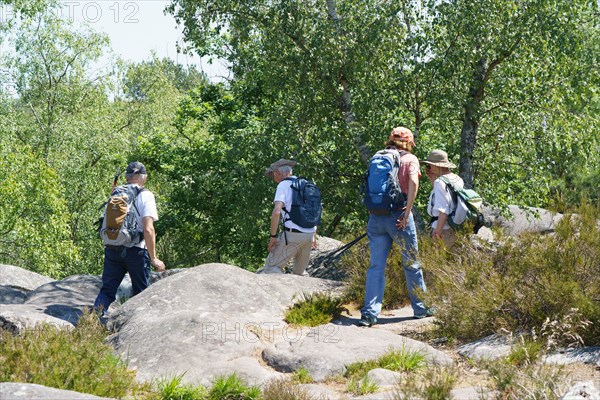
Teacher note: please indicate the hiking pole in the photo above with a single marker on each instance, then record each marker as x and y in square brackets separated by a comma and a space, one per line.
[117, 174]
[334, 254]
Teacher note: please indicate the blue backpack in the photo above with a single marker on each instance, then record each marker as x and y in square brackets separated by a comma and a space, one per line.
[382, 191]
[306, 203]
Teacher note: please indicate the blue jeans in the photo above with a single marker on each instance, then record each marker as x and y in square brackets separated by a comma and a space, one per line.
[382, 231]
[117, 263]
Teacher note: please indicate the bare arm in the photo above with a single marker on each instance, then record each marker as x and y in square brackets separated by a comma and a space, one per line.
[441, 221]
[275, 216]
[150, 238]
[413, 187]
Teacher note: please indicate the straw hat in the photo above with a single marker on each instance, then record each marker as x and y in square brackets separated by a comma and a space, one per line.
[279, 163]
[439, 158]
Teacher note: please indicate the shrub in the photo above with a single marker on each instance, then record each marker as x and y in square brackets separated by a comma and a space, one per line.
[533, 381]
[360, 387]
[174, 389]
[75, 360]
[282, 389]
[355, 264]
[232, 388]
[394, 360]
[434, 384]
[518, 286]
[525, 353]
[315, 309]
[302, 376]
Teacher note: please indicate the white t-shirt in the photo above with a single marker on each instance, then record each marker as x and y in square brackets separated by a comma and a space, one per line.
[440, 200]
[146, 207]
[284, 193]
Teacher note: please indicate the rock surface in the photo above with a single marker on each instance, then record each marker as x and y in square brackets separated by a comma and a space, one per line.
[21, 278]
[488, 348]
[586, 355]
[325, 350]
[30, 391]
[583, 391]
[523, 219]
[209, 320]
[12, 295]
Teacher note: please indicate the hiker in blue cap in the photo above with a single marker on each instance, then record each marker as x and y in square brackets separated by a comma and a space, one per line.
[136, 255]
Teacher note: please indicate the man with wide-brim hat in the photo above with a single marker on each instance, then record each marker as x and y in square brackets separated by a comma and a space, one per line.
[295, 241]
[441, 204]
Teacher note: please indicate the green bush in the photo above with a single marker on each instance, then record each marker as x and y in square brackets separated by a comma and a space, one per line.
[315, 309]
[520, 284]
[75, 360]
[302, 376]
[355, 265]
[534, 381]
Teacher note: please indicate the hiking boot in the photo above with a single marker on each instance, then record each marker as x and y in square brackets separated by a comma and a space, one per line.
[367, 320]
[429, 313]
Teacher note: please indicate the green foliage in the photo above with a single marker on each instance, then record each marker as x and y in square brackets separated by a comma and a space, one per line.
[302, 375]
[434, 383]
[520, 284]
[232, 388]
[402, 360]
[526, 352]
[355, 264]
[174, 389]
[534, 381]
[314, 309]
[361, 387]
[282, 389]
[74, 359]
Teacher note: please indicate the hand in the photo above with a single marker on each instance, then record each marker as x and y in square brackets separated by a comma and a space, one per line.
[158, 265]
[437, 235]
[272, 243]
[315, 243]
[402, 222]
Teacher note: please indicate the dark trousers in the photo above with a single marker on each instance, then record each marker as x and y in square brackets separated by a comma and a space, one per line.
[117, 263]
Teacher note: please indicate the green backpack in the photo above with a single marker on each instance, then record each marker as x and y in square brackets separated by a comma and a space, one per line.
[468, 207]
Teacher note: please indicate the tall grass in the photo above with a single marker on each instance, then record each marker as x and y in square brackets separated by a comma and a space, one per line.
[74, 359]
[402, 360]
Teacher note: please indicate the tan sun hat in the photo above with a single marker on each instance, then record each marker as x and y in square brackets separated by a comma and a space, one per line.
[279, 163]
[439, 158]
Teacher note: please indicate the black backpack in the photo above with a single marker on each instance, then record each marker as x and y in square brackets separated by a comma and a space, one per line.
[306, 203]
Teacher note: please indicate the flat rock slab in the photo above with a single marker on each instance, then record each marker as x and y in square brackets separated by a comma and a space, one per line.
[12, 295]
[21, 278]
[586, 355]
[66, 298]
[18, 317]
[327, 349]
[207, 321]
[30, 391]
[524, 219]
[488, 348]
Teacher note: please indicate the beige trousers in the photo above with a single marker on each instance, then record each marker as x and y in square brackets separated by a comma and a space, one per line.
[298, 247]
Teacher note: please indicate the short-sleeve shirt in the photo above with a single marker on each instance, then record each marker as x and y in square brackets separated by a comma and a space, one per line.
[409, 166]
[440, 200]
[285, 195]
[146, 207]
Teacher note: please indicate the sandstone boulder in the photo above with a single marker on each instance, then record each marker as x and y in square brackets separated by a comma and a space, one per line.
[21, 278]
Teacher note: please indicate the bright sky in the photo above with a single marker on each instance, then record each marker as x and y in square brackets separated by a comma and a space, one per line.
[136, 28]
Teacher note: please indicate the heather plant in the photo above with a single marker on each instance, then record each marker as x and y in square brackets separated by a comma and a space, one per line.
[520, 283]
[283, 389]
[434, 383]
[75, 359]
[314, 309]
